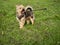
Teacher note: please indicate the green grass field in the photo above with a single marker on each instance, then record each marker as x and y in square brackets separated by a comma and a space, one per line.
[45, 31]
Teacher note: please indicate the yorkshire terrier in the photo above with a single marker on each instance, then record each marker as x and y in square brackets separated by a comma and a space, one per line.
[24, 14]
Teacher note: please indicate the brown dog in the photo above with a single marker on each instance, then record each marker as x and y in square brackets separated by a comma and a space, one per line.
[20, 15]
[24, 14]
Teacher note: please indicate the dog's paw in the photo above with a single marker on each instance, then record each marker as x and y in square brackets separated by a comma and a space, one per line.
[21, 27]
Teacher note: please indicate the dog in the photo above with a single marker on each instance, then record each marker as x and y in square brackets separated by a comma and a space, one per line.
[29, 15]
[24, 14]
[20, 15]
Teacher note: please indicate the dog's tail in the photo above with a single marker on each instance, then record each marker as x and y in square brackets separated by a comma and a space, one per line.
[29, 8]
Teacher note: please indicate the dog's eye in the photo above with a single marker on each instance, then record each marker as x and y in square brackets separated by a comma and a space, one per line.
[19, 8]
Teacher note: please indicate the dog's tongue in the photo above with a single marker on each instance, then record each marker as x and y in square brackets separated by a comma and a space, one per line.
[22, 12]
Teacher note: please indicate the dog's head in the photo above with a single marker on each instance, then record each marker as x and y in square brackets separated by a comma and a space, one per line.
[20, 9]
[29, 8]
[29, 11]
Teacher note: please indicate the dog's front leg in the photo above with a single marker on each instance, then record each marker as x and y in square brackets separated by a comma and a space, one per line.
[22, 22]
[32, 20]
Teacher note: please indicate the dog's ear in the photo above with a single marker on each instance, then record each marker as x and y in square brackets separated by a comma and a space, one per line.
[17, 5]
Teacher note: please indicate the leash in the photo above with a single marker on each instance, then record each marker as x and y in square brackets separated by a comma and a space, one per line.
[40, 9]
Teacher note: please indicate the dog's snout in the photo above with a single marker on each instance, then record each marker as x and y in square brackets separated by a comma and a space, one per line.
[23, 9]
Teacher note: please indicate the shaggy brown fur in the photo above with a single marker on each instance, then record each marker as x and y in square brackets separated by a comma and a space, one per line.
[20, 9]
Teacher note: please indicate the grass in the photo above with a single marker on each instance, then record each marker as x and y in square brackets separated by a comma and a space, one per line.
[45, 31]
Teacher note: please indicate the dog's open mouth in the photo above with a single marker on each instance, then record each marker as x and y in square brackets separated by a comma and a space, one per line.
[23, 11]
